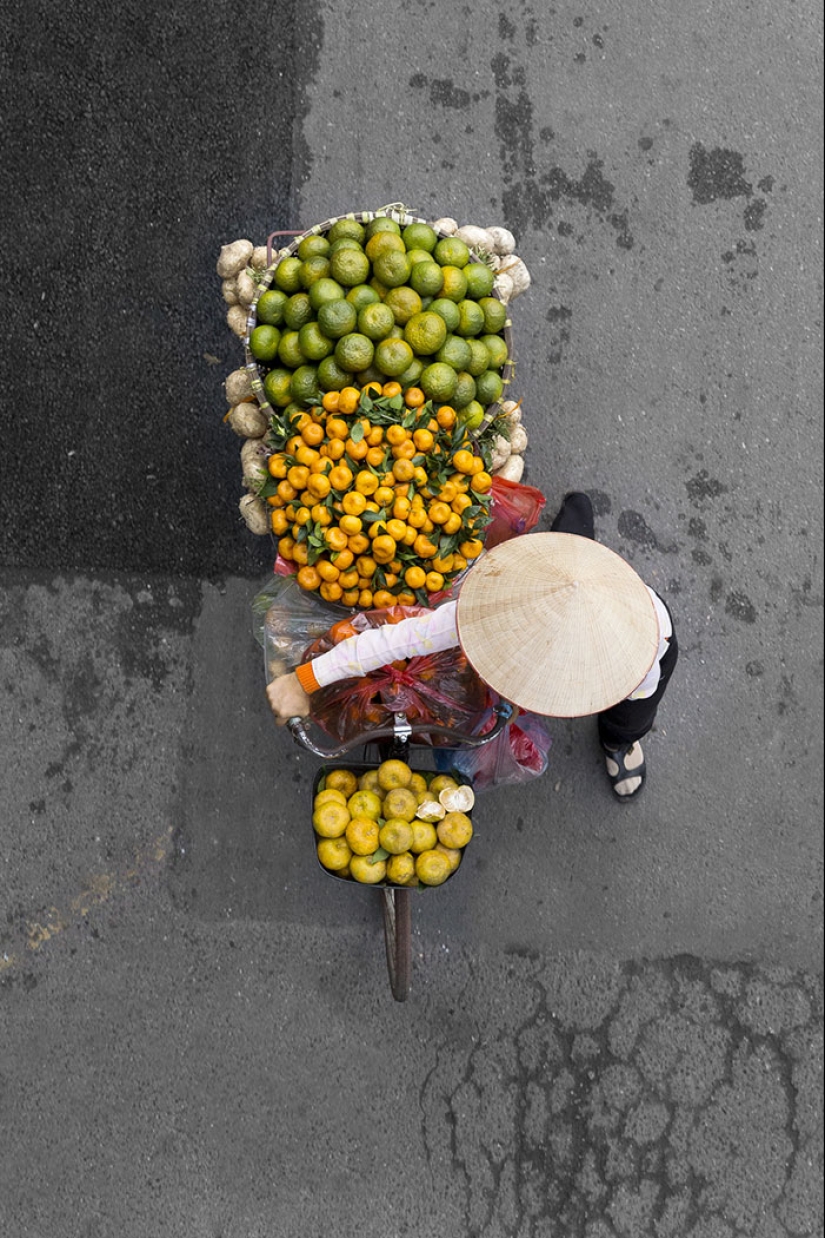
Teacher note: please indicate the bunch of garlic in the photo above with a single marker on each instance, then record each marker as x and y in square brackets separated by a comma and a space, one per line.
[240, 265]
[249, 421]
[508, 448]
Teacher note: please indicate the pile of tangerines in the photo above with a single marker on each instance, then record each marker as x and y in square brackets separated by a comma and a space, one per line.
[378, 496]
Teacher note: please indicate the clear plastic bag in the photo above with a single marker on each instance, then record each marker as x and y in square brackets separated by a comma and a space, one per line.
[286, 619]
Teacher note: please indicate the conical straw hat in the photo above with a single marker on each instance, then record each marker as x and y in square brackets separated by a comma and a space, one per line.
[557, 624]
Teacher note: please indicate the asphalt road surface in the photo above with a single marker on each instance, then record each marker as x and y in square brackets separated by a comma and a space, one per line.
[615, 1027]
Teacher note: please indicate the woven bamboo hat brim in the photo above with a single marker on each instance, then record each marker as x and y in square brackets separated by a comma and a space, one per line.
[557, 624]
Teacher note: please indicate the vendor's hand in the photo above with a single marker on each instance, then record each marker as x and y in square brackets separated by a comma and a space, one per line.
[287, 698]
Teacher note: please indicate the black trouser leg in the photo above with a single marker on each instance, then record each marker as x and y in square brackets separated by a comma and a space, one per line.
[624, 723]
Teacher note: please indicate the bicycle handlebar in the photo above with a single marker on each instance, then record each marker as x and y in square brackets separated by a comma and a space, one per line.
[504, 712]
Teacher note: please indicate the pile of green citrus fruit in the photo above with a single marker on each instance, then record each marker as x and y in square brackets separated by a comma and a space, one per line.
[392, 825]
[375, 302]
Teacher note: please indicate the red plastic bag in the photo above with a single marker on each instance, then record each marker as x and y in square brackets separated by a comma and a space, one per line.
[518, 753]
[439, 687]
[516, 509]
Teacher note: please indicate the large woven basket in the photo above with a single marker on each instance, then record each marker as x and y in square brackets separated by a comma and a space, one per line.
[274, 255]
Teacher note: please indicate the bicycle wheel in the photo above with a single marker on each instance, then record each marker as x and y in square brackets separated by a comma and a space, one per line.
[398, 940]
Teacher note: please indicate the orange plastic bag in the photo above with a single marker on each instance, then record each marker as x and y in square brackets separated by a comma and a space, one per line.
[516, 509]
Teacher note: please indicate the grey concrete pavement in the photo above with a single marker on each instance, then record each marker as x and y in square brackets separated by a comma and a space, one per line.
[615, 1029]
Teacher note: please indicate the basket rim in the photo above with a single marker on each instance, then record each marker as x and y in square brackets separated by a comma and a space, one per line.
[400, 215]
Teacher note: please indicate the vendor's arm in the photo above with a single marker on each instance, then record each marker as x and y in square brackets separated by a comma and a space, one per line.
[365, 652]
[358, 655]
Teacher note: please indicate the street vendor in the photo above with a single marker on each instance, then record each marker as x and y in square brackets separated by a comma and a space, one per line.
[553, 622]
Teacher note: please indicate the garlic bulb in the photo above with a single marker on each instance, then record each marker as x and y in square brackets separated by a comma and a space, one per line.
[233, 258]
[255, 515]
[503, 240]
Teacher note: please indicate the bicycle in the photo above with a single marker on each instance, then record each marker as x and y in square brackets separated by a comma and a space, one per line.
[396, 742]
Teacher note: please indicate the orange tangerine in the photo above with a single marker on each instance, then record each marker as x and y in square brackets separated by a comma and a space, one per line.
[348, 399]
[383, 548]
[277, 465]
[329, 401]
[443, 565]
[337, 427]
[414, 397]
[391, 389]
[403, 470]
[335, 448]
[349, 597]
[307, 456]
[401, 507]
[384, 495]
[420, 476]
[312, 433]
[372, 388]
[461, 502]
[286, 545]
[366, 482]
[374, 435]
[434, 582]
[383, 597]
[482, 482]
[424, 548]
[472, 548]
[331, 591]
[353, 503]
[308, 578]
[415, 577]
[340, 477]
[365, 599]
[300, 553]
[298, 476]
[336, 539]
[358, 544]
[405, 450]
[319, 485]
[423, 439]
[278, 523]
[396, 434]
[366, 566]
[439, 512]
[327, 570]
[321, 515]
[342, 559]
[416, 517]
[396, 528]
[356, 450]
[350, 525]
[410, 535]
[286, 490]
[452, 524]
[464, 461]
[349, 580]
